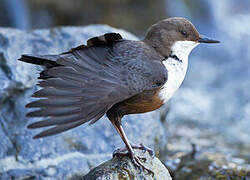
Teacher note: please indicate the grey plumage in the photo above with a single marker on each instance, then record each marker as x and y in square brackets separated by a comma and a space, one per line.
[55, 102]
[59, 129]
[54, 92]
[54, 111]
[57, 120]
[81, 85]
[60, 83]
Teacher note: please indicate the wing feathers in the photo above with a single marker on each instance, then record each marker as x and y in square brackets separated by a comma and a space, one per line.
[58, 129]
[67, 73]
[59, 83]
[80, 85]
[53, 92]
[54, 111]
[56, 121]
[65, 124]
[55, 102]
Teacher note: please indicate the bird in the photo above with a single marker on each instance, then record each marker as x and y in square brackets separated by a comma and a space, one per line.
[113, 76]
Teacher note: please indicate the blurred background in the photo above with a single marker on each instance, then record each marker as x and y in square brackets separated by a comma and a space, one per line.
[212, 108]
[134, 16]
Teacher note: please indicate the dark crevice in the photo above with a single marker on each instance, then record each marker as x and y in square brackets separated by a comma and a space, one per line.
[164, 112]
[5, 68]
[4, 42]
[12, 140]
[14, 89]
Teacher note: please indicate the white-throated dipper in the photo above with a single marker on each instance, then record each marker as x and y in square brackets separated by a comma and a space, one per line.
[113, 76]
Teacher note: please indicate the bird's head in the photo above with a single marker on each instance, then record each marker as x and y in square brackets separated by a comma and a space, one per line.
[175, 35]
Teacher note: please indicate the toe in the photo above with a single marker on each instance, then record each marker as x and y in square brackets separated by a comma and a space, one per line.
[120, 152]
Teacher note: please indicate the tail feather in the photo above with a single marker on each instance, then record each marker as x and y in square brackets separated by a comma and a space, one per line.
[47, 60]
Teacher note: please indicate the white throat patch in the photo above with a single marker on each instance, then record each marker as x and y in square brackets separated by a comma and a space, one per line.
[183, 48]
[176, 69]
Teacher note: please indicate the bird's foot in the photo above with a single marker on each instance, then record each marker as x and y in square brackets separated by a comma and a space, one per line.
[136, 160]
[137, 163]
[124, 151]
[144, 149]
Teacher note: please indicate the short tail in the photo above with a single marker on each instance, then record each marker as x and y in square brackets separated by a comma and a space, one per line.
[47, 61]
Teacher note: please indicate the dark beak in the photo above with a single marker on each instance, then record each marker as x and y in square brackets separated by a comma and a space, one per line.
[204, 39]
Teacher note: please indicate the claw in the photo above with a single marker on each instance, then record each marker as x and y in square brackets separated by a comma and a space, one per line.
[120, 152]
[137, 163]
[135, 159]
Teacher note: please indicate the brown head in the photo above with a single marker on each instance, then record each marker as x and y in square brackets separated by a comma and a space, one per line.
[164, 35]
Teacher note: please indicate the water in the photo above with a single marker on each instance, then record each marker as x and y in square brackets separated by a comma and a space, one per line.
[17, 13]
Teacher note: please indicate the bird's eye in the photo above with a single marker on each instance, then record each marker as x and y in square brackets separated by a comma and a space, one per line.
[184, 33]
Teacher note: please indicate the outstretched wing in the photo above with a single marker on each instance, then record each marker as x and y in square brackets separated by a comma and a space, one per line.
[83, 84]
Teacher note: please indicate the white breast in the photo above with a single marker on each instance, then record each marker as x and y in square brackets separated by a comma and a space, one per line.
[176, 69]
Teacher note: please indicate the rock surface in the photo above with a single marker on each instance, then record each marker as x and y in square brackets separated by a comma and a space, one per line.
[65, 154]
[122, 168]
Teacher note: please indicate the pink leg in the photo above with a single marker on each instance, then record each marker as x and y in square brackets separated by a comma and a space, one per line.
[130, 152]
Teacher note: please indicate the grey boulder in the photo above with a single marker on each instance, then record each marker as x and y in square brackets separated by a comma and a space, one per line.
[121, 167]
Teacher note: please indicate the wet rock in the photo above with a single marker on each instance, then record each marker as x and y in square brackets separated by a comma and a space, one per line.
[122, 168]
[212, 108]
[205, 165]
[65, 154]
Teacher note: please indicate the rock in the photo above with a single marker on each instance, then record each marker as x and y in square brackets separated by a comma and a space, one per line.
[206, 165]
[121, 167]
[65, 154]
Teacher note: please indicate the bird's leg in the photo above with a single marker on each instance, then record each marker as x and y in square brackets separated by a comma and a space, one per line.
[136, 160]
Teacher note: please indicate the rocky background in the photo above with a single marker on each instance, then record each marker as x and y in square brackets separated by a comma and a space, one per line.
[203, 133]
